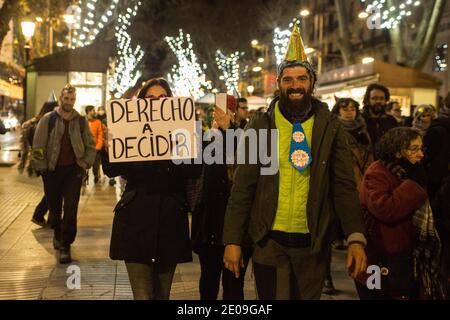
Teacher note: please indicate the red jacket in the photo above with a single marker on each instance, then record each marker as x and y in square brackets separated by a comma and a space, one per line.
[389, 204]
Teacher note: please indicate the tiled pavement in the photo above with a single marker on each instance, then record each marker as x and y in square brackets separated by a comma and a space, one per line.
[28, 264]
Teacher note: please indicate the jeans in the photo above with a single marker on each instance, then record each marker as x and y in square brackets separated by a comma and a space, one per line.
[41, 209]
[211, 263]
[63, 186]
[150, 281]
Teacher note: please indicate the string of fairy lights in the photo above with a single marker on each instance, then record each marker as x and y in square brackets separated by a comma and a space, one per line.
[230, 68]
[88, 30]
[188, 76]
[390, 16]
[280, 43]
[125, 73]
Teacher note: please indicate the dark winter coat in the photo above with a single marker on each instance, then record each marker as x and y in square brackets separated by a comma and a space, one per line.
[436, 144]
[378, 126]
[151, 219]
[254, 197]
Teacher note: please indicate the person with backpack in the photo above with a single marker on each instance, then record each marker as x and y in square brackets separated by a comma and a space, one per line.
[28, 130]
[63, 148]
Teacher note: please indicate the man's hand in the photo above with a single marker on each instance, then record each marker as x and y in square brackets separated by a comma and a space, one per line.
[232, 259]
[356, 259]
[83, 164]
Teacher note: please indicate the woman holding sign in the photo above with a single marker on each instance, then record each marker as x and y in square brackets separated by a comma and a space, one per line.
[150, 229]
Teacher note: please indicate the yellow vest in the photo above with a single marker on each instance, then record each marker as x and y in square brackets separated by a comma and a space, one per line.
[294, 186]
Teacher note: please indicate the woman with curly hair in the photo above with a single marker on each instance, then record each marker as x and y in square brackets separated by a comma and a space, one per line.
[402, 239]
[423, 115]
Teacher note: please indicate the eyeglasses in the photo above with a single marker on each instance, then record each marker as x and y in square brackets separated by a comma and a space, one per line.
[415, 149]
[156, 97]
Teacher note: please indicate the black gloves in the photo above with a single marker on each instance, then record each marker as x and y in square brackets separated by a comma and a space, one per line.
[415, 172]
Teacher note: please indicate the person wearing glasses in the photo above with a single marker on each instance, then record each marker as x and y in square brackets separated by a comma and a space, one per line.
[402, 240]
[151, 229]
[241, 113]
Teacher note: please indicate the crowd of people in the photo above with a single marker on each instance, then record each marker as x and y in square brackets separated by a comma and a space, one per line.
[365, 174]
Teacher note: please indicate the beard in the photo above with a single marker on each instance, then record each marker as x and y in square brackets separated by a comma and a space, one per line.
[297, 108]
[67, 107]
[377, 108]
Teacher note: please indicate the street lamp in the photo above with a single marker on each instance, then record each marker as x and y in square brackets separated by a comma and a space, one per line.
[28, 28]
[305, 13]
[250, 89]
[363, 15]
[368, 60]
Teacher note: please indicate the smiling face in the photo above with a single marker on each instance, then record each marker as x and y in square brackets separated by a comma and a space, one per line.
[295, 84]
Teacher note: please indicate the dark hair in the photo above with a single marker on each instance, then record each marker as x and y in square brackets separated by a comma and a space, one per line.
[89, 109]
[155, 82]
[375, 86]
[344, 102]
[391, 104]
[47, 107]
[394, 141]
[240, 100]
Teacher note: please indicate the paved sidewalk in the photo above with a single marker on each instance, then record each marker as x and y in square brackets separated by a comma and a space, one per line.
[28, 263]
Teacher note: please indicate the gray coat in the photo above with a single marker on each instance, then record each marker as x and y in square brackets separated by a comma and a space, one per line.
[253, 202]
[47, 145]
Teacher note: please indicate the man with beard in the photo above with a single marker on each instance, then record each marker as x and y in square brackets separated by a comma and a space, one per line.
[288, 215]
[63, 148]
[377, 120]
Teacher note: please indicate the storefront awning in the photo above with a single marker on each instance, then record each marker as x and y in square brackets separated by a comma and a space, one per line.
[359, 75]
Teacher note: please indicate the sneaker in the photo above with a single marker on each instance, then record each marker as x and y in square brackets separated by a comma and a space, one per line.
[39, 222]
[56, 244]
[64, 255]
[328, 287]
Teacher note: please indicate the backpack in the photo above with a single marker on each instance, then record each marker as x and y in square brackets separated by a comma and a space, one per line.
[29, 133]
[54, 116]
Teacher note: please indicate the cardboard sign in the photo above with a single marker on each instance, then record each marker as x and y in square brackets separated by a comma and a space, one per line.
[221, 101]
[151, 129]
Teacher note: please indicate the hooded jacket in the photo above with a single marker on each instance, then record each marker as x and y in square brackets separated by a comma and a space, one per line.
[47, 144]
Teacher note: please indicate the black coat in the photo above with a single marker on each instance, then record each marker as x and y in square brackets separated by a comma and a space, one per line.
[151, 219]
[209, 212]
[378, 126]
[437, 154]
